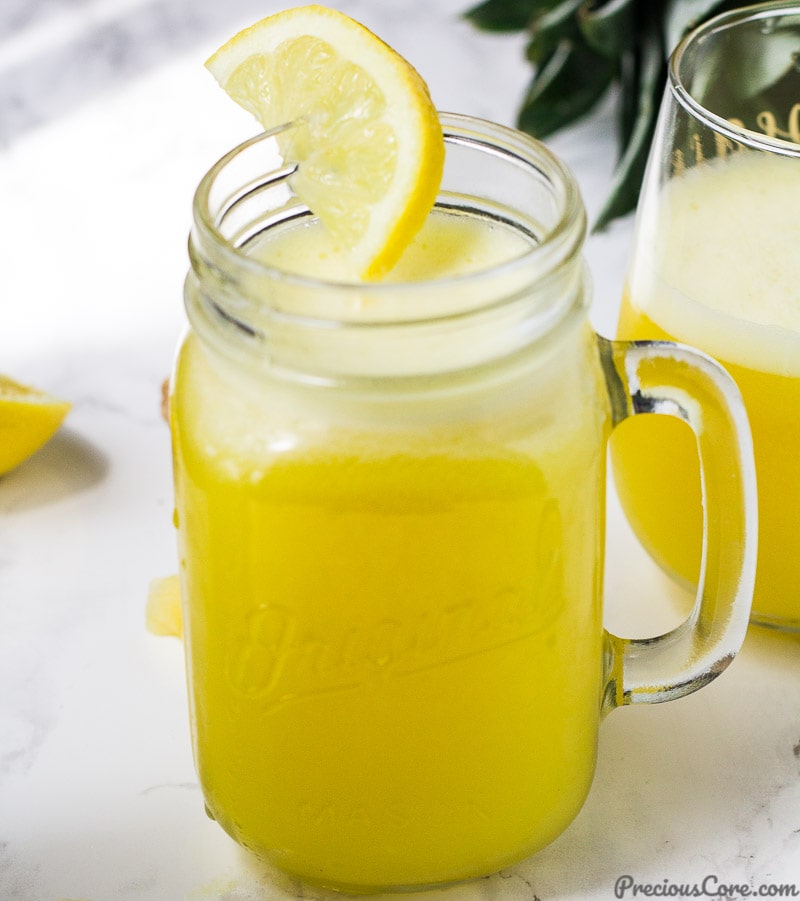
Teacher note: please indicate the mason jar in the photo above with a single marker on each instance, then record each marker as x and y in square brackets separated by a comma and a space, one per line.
[390, 505]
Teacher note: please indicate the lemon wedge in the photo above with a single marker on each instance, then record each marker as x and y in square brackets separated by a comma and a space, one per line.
[366, 138]
[28, 419]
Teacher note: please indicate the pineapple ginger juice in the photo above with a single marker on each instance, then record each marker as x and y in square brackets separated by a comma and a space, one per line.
[393, 603]
[723, 276]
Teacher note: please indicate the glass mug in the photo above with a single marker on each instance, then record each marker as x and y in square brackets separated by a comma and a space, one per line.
[390, 506]
[715, 264]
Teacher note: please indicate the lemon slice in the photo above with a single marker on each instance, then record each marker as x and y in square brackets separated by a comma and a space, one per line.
[28, 419]
[367, 138]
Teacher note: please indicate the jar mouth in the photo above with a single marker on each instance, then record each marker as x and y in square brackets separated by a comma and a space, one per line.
[690, 89]
[324, 331]
[232, 209]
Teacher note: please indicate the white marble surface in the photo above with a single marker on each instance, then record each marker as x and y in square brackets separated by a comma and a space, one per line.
[107, 120]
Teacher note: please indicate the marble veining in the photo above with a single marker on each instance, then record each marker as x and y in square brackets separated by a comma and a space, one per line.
[107, 121]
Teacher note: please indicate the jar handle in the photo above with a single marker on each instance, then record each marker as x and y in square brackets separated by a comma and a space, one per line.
[670, 379]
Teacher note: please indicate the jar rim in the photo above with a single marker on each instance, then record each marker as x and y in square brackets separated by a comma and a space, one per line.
[322, 330]
[559, 242]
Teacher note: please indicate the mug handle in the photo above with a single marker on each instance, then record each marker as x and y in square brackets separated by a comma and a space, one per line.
[674, 380]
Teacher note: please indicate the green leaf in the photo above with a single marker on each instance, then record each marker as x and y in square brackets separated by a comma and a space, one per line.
[609, 29]
[565, 88]
[628, 99]
[624, 195]
[555, 16]
[549, 30]
[505, 15]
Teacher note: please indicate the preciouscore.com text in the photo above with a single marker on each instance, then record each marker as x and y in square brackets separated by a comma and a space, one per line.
[710, 887]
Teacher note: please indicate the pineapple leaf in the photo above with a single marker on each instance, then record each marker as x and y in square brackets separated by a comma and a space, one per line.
[629, 172]
[549, 30]
[566, 86]
[609, 29]
[555, 16]
[505, 15]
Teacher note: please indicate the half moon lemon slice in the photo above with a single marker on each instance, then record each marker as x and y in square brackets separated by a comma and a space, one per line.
[367, 138]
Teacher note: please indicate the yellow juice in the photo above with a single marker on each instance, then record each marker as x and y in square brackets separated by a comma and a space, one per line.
[724, 276]
[392, 607]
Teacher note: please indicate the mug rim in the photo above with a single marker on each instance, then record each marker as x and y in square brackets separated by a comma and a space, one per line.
[722, 22]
